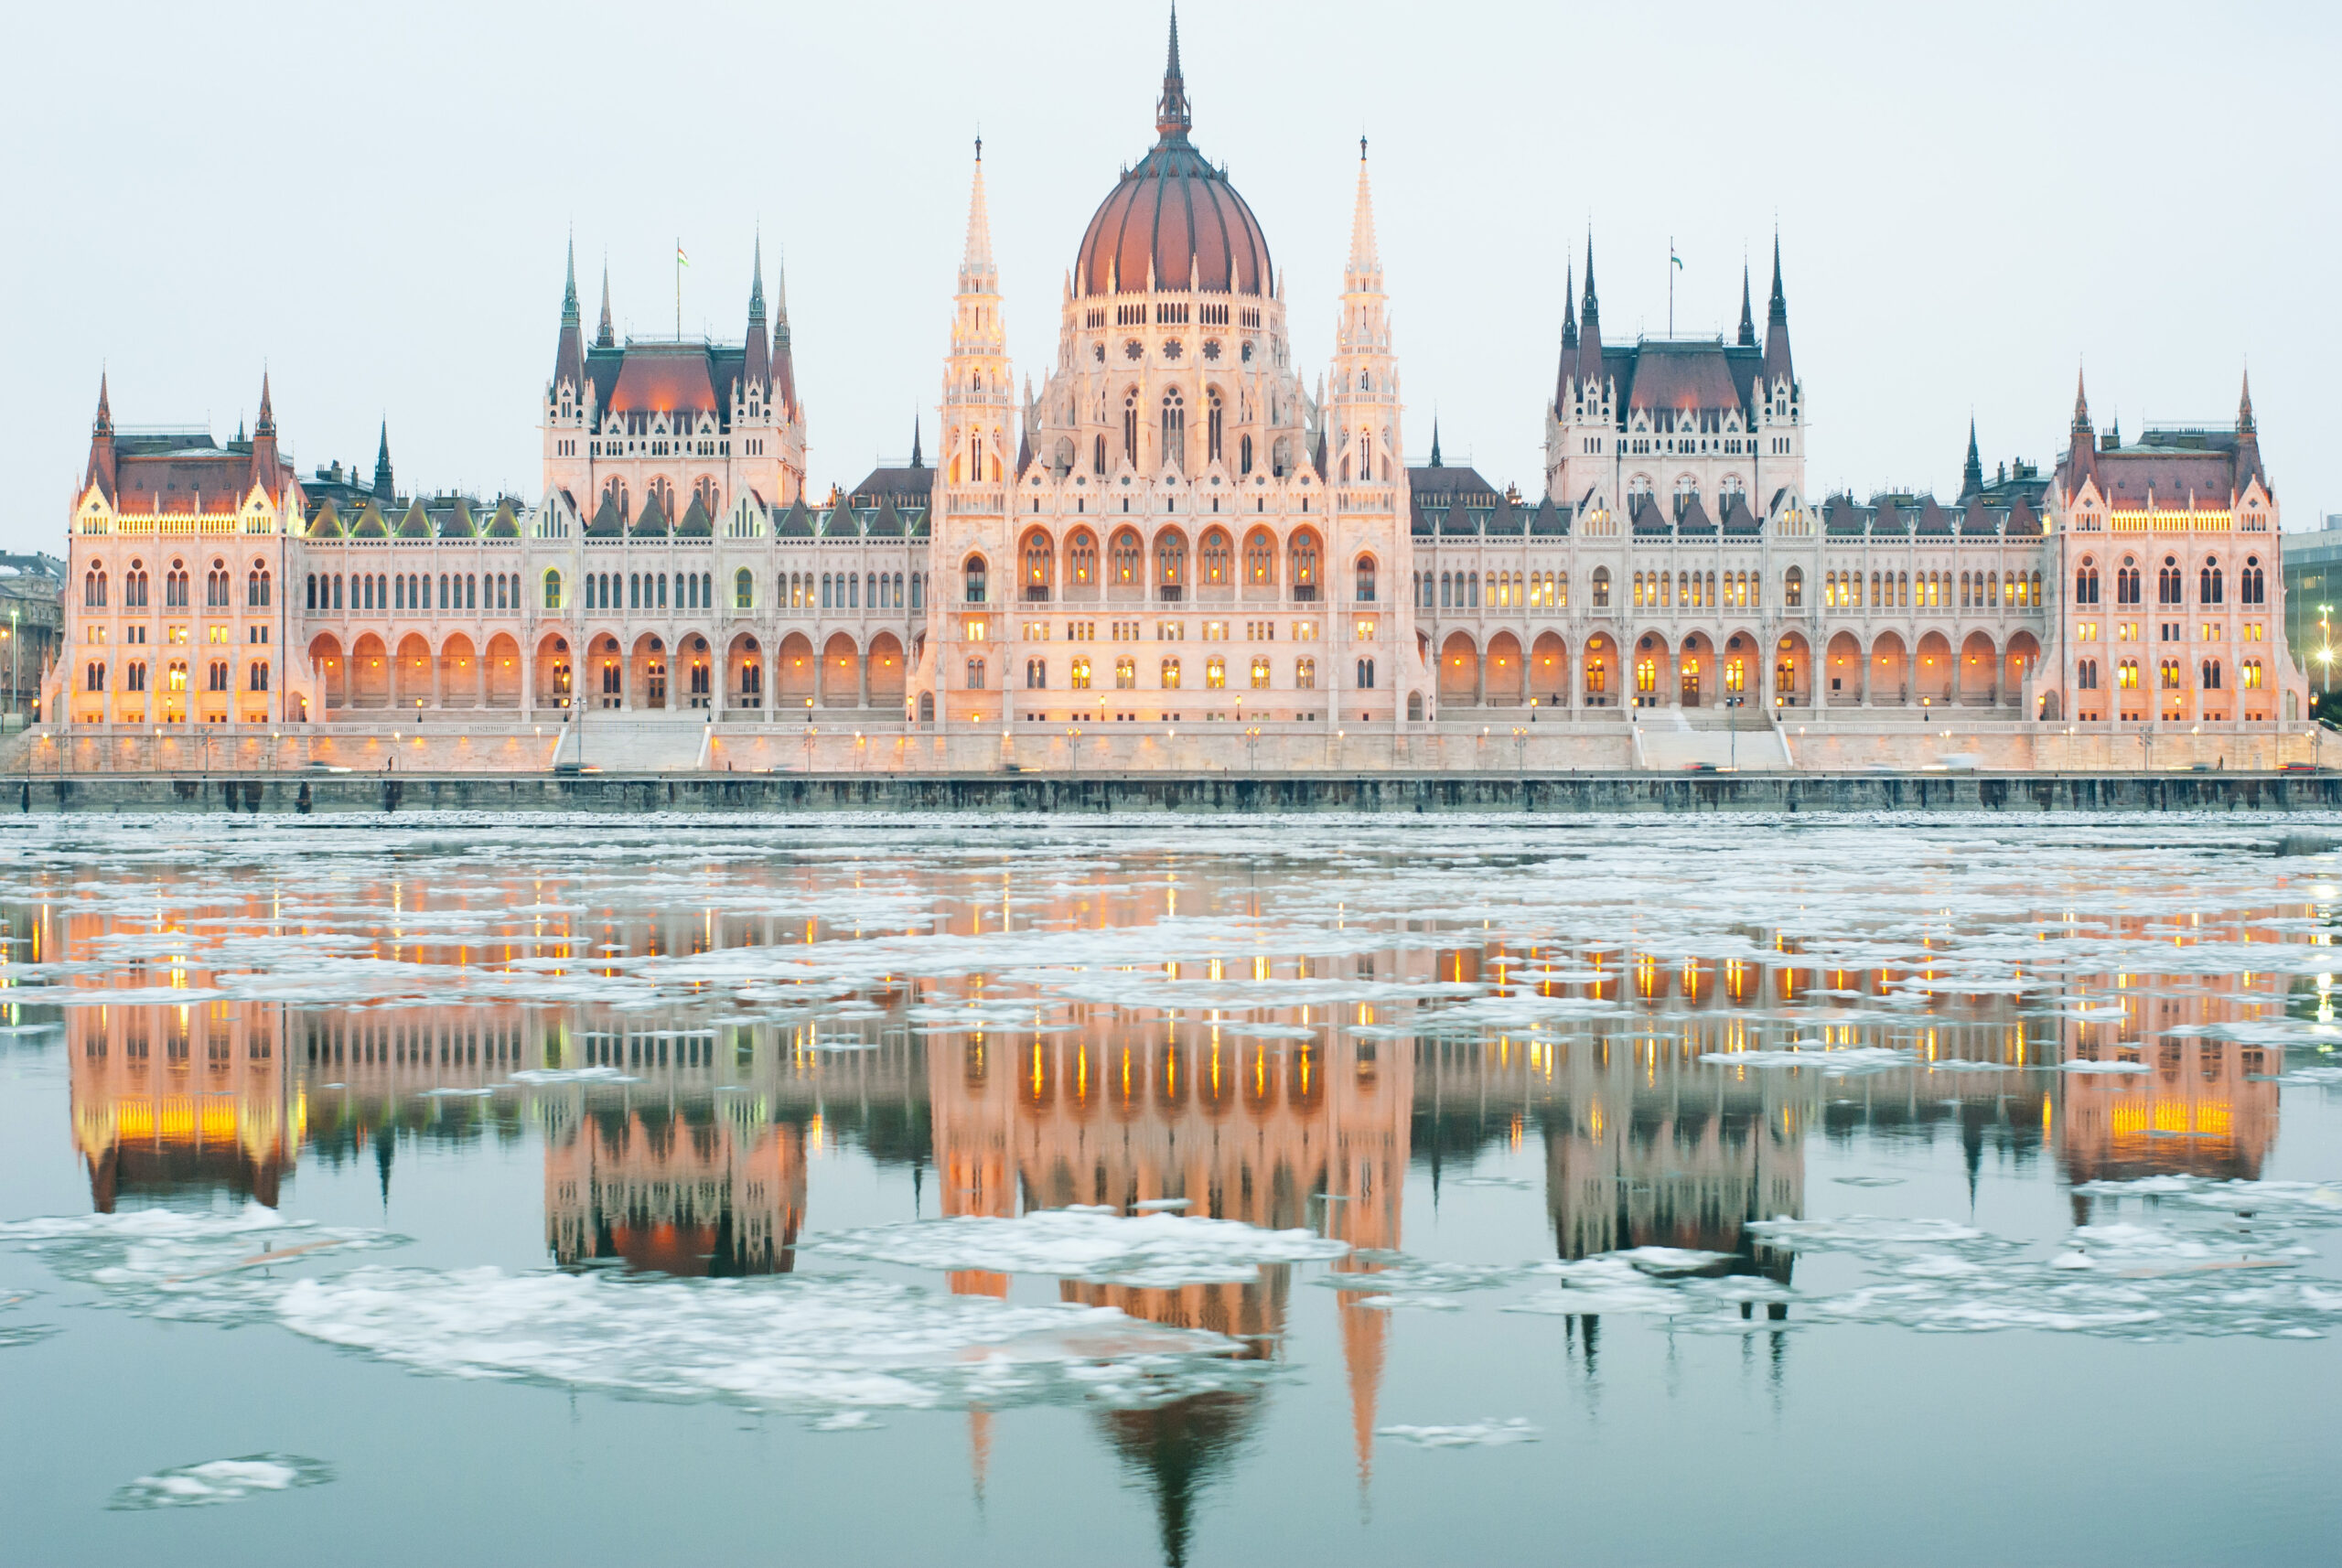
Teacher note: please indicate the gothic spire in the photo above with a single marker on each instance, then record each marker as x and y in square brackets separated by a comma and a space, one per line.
[1434, 441]
[266, 423]
[101, 471]
[1971, 477]
[569, 352]
[383, 487]
[569, 289]
[1748, 317]
[1365, 270]
[264, 461]
[1779, 367]
[1173, 118]
[976, 274]
[784, 358]
[2081, 407]
[756, 367]
[1589, 324]
[916, 460]
[606, 338]
[2244, 426]
[104, 425]
[1569, 306]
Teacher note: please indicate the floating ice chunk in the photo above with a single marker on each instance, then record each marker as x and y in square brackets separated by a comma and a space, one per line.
[220, 1481]
[1963, 1064]
[846, 1421]
[1861, 1232]
[817, 1344]
[453, 1094]
[2309, 1077]
[1153, 1205]
[542, 1075]
[1488, 1433]
[1836, 1062]
[1151, 1250]
[1516, 1183]
[2079, 1064]
[171, 1263]
[1868, 1180]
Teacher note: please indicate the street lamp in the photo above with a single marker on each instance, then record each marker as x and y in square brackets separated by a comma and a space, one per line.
[2326, 649]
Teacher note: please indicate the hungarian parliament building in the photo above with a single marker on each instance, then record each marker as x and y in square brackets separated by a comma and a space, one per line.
[1082, 552]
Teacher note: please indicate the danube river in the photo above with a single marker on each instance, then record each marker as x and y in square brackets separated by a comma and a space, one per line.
[890, 1190]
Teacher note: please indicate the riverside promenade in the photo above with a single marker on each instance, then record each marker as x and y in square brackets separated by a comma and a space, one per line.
[324, 793]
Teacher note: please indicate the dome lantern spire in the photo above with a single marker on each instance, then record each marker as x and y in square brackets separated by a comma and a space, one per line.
[1173, 118]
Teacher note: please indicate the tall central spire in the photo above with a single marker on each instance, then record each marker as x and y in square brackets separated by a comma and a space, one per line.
[976, 272]
[1365, 258]
[1172, 117]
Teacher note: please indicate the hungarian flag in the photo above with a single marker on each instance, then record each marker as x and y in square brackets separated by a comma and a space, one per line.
[680, 260]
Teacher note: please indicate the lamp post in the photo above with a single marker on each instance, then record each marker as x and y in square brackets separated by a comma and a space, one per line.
[809, 734]
[2326, 649]
[15, 699]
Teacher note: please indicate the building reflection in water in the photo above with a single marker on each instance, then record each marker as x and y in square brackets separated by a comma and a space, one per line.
[1296, 1116]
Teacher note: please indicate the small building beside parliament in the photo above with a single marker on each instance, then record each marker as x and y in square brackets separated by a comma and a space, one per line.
[1181, 528]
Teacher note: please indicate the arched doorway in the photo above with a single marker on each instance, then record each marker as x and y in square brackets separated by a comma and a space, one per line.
[1936, 674]
[795, 671]
[1890, 670]
[1654, 672]
[2021, 659]
[1170, 564]
[1549, 671]
[370, 672]
[1740, 667]
[411, 675]
[1459, 672]
[887, 671]
[841, 672]
[1506, 683]
[1843, 674]
[332, 667]
[1792, 671]
[556, 674]
[744, 673]
[459, 673]
[647, 672]
[1696, 676]
[606, 673]
[1980, 668]
[695, 673]
[503, 672]
[1602, 674]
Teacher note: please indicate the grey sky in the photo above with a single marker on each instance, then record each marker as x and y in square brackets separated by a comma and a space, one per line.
[1971, 199]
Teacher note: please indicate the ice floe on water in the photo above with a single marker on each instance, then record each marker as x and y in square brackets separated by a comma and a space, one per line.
[215, 1267]
[2083, 1065]
[1486, 1432]
[549, 1075]
[1154, 1250]
[1837, 1062]
[813, 1343]
[218, 1481]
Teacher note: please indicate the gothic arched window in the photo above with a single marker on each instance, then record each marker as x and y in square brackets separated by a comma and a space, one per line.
[1175, 429]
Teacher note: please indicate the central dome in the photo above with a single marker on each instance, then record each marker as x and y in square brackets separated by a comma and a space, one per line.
[1175, 214]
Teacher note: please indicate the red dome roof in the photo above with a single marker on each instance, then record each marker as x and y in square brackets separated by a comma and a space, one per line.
[1175, 213]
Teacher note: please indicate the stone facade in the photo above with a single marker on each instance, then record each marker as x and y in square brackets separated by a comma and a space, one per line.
[1082, 556]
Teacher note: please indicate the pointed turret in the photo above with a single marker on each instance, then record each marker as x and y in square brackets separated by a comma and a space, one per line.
[1972, 478]
[2081, 453]
[569, 354]
[1777, 365]
[384, 487]
[756, 360]
[1434, 441]
[1364, 274]
[2248, 441]
[977, 275]
[265, 462]
[606, 338]
[1569, 342]
[1173, 119]
[916, 461]
[784, 357]
[1748, 316]
[101, 471]
[1589, 329]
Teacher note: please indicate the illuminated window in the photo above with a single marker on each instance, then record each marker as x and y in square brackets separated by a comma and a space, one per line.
[1170, 674]
[1215, 674]
[1260, 674]
[1081, 674]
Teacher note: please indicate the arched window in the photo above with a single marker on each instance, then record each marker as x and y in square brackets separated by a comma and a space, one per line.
[94, 678]
[744, 589]
[1259, 558]
[1211, 426]
[1128, 560]
[1602, 587]
[972, 571]
[175, 586]
[1098, 462]
[257, 680]
[1034, 579]
[93, 595]
[2126, 582]
[1174, 430]
[552, 588]
[1366, 675]
[2211, 676]
[2250, 587]
[1215, 555]
[1170, 562]
[1793, 587]
[1129, 428]
[256, 587]
[2169, 582]
[1081, 559]
[1301, 569]
[1365, 577]
[1243, 455]
[2208, 587]
[2086, 582]
[975, 674]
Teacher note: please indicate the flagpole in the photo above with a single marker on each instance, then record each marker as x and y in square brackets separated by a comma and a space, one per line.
[679, 291]
[1671, 291]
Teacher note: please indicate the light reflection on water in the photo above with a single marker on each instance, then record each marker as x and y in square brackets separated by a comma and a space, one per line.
[1411, 1043]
